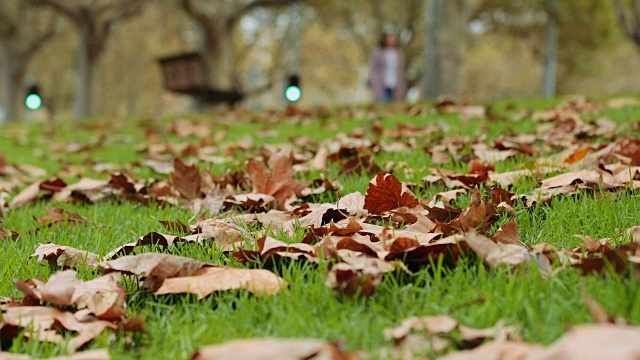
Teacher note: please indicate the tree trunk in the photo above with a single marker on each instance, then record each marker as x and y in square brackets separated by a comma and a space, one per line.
[217, 48]
[12, 86]
[85, 76]
[433, 11]
[550, 55]
[453, 37]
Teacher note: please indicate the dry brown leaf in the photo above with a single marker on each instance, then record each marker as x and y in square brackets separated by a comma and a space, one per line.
[386, 192]
[41, 320]
[586, 342]
[98, 354]
[436, 333]
[432, 325]
[278, 180]
[102, 296]
[498, 350]
[26, 196]
[507, 234]
[227, 235]
[357, 276]
[153, 267]
[210, 279]
[8, 234]
[186, 179]
[57, 216]
[273, 349]
[65, 256]
[249, 202]
[152, 238]
[496, 255]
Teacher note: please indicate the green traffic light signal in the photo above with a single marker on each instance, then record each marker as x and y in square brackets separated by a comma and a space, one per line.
[292, 93]
[33, 102]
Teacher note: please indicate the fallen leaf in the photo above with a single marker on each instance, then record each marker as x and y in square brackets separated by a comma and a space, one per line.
[586, 342]
[495, 254]
[153, 267]
[272, 349]
[278, 180]
[386, 192]
[186, 179]
[210, 279]
[97, 354]
[103, 296]
[357, 276]
[41, 320]
[65, 256]
[227, 235]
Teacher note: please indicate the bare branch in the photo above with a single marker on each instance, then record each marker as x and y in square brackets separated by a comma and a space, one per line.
[361, 41]
[7, 25]
[127, 10]
[635, 8]
[632, 30]
[256, 4]
[199, 16]
[41, 39]
[72, 14]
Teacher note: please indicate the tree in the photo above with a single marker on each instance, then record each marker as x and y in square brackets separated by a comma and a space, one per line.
[582, 27]
[432, 86]
[94, 21]
[217, 22]
[23, 31]
[445, 36]
[551, 48]
[628, 13]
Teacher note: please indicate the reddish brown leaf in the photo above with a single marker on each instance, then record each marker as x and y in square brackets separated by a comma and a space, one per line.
[278, 181]
[507, 234]
[186, 179]
[386, 193]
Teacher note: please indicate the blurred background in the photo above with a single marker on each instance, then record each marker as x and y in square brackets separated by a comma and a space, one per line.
[149, 58]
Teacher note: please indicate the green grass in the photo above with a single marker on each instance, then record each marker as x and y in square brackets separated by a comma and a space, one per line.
[541, 307]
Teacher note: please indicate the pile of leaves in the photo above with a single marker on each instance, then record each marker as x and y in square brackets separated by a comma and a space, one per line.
[361, 237]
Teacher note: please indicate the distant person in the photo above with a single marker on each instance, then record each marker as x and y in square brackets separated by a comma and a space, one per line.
[386, 71]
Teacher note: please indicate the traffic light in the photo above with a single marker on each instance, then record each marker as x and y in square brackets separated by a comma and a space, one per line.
[33, 101]
[292, 92]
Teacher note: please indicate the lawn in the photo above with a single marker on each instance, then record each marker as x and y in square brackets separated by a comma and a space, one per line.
[402, 140]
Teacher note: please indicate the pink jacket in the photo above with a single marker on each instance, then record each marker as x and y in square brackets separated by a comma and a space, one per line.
[376, 76]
